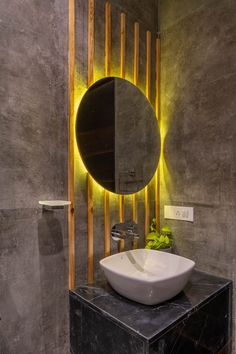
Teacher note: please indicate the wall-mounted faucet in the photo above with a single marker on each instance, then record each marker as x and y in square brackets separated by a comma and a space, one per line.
[124, 231]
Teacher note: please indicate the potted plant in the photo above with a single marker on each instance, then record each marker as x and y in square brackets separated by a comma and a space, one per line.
[162, 241]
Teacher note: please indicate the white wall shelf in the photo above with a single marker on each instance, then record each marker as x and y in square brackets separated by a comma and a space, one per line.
[54, 204]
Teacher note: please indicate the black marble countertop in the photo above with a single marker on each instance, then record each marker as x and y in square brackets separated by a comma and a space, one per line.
[151, 322]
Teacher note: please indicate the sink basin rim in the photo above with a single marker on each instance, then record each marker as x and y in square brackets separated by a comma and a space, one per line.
[153, 277]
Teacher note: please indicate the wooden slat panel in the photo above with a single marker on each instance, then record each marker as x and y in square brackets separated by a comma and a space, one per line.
[107, 226]
[107, 39]
[122, 44]
[147, 216]
[148, 64]
[71, 219]
[134, 208]
[121, 208]
[90, 41]
[148, 89]
[121, 245]
[135, 80]
[122, 74]
[135, 217]
[90, 272]
[90, 229]
[136, 53]
[158, 54]
[157, 109]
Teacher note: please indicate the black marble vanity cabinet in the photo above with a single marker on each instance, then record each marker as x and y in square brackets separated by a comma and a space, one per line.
[197, 321]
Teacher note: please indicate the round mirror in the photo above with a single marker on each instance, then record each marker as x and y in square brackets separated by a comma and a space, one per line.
[118, 136]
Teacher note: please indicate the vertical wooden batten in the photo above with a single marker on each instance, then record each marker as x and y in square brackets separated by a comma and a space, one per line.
[121, 244]
[107, 39]
[148, 90]
[90, 42]
[157, 109]
[71, 218]
[122, 74]
[90, 229]
[107, 226]
[136, 53]
[135, 80]
[90, 252]
[121, 208]
[122, 44]
[157, 100]
[148, 64]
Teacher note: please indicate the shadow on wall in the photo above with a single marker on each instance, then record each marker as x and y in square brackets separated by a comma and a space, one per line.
[53, 272]
[50, 234]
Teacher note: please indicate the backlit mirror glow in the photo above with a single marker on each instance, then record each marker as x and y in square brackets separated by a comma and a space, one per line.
[118, 136]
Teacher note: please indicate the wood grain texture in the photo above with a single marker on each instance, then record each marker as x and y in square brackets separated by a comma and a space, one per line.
[157, 109]
[148, 64]
[121, 208]
[90, 42]
[90, 229]
[134, 208]
[147, 91]
[147, 211]
[107, 39]
[135, 217]
[107, 225]
[136, 53]
[135, 80]
[157, 79]
[90, 254]
[122, 44]
[71, 218]
[121, 244]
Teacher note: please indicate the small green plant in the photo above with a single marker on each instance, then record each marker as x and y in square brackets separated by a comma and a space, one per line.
[156, 240]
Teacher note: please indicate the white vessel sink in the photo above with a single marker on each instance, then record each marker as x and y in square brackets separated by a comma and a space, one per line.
[147, 276]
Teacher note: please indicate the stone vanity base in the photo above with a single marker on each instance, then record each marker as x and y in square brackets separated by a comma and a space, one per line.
[197, 321]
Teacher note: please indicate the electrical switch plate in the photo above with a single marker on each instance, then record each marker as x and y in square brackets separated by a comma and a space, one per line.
[178, 213]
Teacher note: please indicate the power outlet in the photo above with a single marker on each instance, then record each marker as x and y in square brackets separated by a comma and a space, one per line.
[178, 213]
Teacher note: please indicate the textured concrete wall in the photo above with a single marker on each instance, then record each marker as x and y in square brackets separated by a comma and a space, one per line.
[198, 107]
[145, 12]
[33, 165]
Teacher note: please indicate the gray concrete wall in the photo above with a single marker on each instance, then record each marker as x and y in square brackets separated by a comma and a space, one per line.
[145, 12]
[198, 107]
[33, 166]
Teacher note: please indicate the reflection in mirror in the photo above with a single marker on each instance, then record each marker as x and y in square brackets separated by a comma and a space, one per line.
[117, 135]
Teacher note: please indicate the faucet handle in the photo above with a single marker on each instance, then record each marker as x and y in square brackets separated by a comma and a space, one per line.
[117, 235]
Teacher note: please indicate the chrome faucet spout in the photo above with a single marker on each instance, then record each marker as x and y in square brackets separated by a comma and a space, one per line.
[124, 231]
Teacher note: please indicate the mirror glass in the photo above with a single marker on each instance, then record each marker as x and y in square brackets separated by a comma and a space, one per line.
[118, 136]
